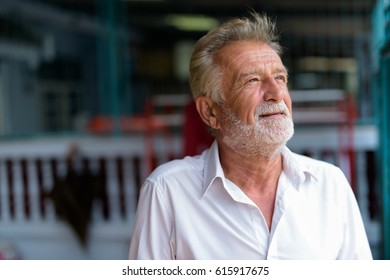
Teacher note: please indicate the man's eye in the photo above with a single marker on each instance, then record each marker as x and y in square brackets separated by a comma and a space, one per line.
[280, 78]
[253, 80]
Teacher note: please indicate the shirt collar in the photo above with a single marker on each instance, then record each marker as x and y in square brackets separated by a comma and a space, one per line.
[295, 170]
[213, 168]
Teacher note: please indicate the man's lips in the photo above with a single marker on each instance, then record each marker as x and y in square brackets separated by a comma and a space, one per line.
[272, 114]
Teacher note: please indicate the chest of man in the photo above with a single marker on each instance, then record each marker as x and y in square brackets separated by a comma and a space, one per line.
[233, 227]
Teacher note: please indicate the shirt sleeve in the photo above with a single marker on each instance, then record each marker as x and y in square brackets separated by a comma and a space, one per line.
[152, 229]
[355, 244]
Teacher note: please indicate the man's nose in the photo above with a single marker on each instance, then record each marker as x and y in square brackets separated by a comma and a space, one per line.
[272, 90]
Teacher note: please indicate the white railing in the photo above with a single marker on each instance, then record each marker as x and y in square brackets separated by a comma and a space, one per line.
[30, 169]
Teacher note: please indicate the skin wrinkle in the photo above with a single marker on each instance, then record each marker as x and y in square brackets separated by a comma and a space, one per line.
[267, 57]
[240, 79]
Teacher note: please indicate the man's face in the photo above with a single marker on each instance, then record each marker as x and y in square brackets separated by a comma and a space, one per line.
[256, 115]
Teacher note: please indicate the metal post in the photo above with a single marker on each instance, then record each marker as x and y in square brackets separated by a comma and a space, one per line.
[381, 88]
[385, 151]
[108, 62]
[101, 47]
[113, 64]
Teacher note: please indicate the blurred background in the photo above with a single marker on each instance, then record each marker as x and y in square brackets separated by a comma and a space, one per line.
[94, 94]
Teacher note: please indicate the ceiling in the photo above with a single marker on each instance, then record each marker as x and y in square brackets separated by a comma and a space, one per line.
[304, 25]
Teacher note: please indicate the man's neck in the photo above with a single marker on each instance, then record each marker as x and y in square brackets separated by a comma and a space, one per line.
[255, 174]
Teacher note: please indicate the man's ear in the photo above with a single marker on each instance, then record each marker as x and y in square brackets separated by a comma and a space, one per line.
[207, 111]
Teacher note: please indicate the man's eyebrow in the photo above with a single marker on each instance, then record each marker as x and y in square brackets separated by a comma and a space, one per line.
[257, 72]
[238, 77]
[248, 73]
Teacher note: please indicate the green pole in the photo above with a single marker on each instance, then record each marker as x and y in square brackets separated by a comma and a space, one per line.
[385, 151]
[113, 64]
[101, 46]
[107, 50]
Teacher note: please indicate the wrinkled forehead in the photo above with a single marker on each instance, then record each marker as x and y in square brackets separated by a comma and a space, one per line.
[249, 54]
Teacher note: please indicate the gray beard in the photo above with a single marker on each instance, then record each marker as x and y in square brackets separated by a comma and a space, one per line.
[265, 138]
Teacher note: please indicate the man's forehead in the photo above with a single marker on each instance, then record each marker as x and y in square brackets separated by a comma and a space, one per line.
[260, 62]
[264, 59]
[249, 46]
[242, 55]
[260, 56]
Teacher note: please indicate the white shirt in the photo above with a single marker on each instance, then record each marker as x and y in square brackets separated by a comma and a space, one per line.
[189, 210]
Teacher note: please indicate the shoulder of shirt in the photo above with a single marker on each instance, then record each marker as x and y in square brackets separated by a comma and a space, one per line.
[177, 168]
[326, 174]
[315, 167]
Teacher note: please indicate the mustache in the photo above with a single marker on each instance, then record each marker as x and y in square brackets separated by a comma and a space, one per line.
[269, 108]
